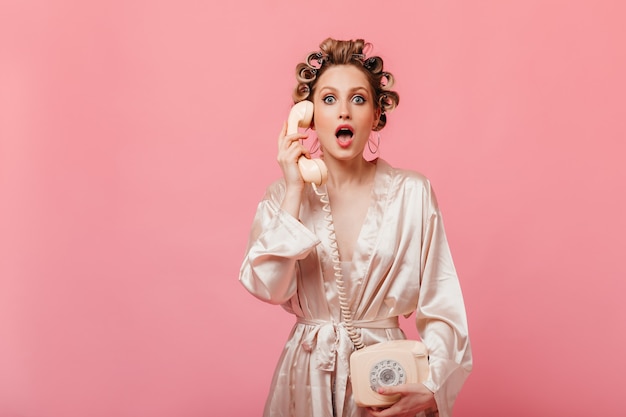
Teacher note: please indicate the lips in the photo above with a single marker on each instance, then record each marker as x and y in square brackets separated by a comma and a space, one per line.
[344, 134]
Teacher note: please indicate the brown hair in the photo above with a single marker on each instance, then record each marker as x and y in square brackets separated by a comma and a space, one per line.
[352, 52]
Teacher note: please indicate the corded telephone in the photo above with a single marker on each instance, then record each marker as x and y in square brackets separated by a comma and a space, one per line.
[386, 364]
[383, 364]
[312, 170]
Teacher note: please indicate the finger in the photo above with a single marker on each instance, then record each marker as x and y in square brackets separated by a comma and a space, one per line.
[290, 141]
[297, 136]
[390, 390]
[380, 412]
[294, 136]
[297, 145]
[373, 411]
[292, 153]
[283, 132]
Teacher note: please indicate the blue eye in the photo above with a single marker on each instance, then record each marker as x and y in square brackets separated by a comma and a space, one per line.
[358, 99]
[328, 99]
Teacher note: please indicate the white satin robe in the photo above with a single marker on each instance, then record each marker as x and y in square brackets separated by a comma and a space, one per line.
[401, 264]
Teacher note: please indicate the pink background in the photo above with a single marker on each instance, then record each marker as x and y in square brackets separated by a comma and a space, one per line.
[136, 138]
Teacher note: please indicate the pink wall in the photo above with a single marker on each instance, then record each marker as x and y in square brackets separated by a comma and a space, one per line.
[136, 138]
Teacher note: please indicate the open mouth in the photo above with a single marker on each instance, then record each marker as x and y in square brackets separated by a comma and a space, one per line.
[344, 131]
[344, 135]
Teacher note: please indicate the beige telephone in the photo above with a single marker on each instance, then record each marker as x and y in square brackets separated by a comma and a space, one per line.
[386, 364]
[312, 170]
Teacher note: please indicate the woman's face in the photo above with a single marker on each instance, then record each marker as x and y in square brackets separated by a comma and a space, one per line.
[344, 114]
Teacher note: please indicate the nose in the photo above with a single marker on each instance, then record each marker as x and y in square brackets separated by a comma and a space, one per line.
[344, 111]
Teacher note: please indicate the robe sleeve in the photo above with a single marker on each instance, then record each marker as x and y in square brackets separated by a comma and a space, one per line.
[440, 318]
[277, 241]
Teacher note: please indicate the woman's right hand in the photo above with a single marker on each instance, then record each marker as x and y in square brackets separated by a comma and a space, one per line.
[290, 149]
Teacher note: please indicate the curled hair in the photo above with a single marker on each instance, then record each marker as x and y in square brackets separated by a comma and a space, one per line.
[353, 52]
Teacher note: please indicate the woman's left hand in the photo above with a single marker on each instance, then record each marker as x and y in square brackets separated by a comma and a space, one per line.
[413, 399]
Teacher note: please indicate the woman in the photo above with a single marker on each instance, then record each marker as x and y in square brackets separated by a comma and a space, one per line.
[391, 243]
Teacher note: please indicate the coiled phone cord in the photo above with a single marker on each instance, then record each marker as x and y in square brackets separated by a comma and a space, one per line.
[341, 291]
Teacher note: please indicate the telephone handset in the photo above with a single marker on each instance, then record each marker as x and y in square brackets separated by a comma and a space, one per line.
[312, 170]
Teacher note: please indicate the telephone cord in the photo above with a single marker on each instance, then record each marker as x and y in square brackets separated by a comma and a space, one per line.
[346, 313]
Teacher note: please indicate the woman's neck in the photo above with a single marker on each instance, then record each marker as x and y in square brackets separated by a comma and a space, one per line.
[356, 172]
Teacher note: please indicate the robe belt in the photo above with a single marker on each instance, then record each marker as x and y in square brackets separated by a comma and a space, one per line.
[330, 340]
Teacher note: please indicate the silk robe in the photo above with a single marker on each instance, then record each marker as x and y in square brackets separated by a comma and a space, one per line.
[401, 265]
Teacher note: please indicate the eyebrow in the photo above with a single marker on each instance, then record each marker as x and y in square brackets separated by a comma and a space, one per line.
[352, 90]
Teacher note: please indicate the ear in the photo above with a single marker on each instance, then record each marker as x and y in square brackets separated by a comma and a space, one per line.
[377, 114]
